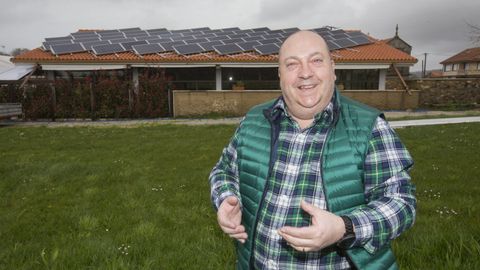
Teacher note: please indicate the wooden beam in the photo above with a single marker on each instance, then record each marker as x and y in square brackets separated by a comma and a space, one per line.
[401, 79]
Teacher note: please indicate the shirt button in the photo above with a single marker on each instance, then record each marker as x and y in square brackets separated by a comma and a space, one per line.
[271, 264]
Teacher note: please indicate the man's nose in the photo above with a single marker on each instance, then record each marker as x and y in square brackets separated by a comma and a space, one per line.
[305, 71]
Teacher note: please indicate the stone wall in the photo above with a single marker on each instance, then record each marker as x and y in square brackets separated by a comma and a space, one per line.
[442, 92]
[237, 103]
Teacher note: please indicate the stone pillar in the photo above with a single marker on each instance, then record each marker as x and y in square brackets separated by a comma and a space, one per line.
[135, 80]
[218, 77]
[382, 79]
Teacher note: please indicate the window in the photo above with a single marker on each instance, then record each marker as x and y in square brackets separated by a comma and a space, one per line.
[478, 66]
[357, 79]
[455, 67]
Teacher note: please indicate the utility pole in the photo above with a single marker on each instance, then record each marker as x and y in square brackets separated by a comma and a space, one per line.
[425, 65]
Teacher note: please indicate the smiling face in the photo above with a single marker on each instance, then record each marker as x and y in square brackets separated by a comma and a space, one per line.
[307, 75]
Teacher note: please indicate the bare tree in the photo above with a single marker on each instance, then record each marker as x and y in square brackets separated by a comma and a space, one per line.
[475, 33]
[18, 51]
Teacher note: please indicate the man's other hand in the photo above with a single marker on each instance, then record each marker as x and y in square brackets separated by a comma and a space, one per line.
[229, 216]
[326, 229]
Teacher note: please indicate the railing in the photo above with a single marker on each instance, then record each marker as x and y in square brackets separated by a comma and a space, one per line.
[8, 110]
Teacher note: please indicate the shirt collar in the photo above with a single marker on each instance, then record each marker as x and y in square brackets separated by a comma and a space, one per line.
[327, 115]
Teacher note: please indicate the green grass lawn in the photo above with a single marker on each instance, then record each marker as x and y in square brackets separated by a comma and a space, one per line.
[138, 198]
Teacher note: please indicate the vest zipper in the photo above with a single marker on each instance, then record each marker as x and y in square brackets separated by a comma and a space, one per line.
[321, 167]
[273, 155]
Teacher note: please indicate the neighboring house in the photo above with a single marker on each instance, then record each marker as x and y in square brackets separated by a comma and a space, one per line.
[211, 59]
[403, 46]
[463, 64]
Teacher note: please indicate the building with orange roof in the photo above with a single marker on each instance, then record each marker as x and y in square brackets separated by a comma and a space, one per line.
[210, 59]
[463, 64]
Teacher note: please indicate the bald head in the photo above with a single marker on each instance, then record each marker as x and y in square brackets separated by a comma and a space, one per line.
[301, 38]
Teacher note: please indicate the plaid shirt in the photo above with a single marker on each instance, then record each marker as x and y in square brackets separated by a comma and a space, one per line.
[296, 176]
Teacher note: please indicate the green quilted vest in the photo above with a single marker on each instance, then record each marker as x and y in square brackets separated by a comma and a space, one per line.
[342, 168]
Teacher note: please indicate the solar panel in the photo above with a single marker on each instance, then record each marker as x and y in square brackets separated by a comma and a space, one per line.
[224, 41]
[159, 40]
[178, 37]
[272, 32]
[128, 45]
[200, 29]
[196, 41]
[360, 40]
[269, 41]
[58, 38]
[188, 49]
[77, 35]
[345, 42]
[67, 48]
[340, 36]
[205, 35]
[261, 29]
[217, 38]
[148, 38]
[290, 30]
[168, 46]
[253, 38]
[89, 44]
[121, 40]
[332, 45]
[243, 31]
[107, 49]
[125, 30]
[234, 36]
[227, 49]
[112, 36]
[231, 29]
[147, 49]
[230, 41]
[208, 46]
[86, 39]
[267, 49]
[106, 32]
[136, 34]
[269, 36]
[255, 34]
[248, 45]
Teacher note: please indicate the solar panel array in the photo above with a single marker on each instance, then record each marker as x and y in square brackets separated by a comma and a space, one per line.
[224, 41]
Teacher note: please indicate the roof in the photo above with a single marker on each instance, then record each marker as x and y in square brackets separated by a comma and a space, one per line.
[5, 63]
[377, 52]
[370, 51]
[468, 55]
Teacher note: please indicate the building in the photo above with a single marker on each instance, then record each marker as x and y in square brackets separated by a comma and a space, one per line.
[402, 45]
[211, 59]
[463, 64]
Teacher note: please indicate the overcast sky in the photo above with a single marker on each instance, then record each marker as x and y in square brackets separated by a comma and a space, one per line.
[436, 27]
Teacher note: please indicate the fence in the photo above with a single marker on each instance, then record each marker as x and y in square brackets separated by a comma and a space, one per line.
[100, 96]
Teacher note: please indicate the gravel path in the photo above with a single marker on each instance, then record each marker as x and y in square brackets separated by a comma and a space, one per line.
[234, 121]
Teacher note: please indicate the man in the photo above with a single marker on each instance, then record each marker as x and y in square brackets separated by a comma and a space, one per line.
[313, 180]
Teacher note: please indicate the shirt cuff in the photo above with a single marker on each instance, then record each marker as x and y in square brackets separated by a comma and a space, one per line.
[220, 198]
[363, 229]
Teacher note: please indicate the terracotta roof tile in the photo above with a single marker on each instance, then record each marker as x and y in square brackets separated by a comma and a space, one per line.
[376, 52]
[468, 55]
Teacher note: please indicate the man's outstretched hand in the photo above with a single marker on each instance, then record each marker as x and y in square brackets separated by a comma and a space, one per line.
[326, 229]
[229, 216]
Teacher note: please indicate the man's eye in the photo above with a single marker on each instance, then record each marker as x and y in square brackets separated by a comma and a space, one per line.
[317, 60]
[291, 65]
